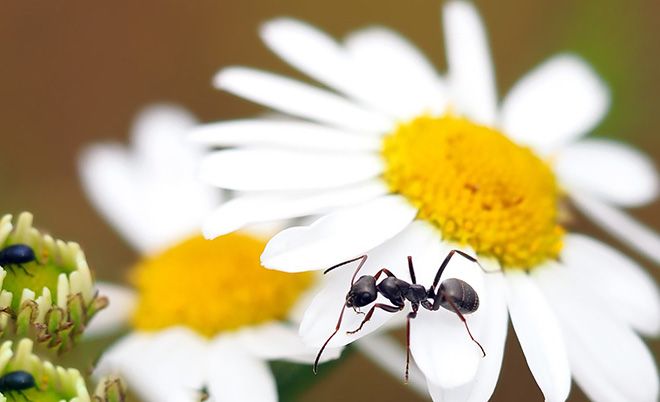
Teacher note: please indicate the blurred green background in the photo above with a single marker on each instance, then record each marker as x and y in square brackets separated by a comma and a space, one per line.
[76, 72]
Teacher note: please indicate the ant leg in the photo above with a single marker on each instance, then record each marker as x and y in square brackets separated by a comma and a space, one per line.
[386, 307]
[318, 356]
[412, 315]
[438, 274]
[458, 313]
[386, 272]
[412, 270]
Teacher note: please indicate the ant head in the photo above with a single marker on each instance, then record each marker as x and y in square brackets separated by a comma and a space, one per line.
[362, 292]
[461, 294]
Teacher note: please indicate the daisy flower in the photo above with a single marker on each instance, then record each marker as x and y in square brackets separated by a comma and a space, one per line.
[43, 381]
[205, 316]
[402, 161]
[46, 287]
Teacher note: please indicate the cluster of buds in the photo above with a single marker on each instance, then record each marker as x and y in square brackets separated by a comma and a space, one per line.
[46, 288]
[22, 372]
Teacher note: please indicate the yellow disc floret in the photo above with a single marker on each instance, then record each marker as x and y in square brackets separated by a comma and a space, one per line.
[213, 286]
[478, 187]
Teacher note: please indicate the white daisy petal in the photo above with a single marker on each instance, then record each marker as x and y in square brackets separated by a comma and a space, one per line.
[167, 366]
[492, 335]
[442, 349]
[108, 178]
[390, 356]
[299, 99]
[385, 54]
[471, 78]
[275, 341]
[113, 318]
[605, 270]
[418, 240]
[236, 375]
[608, 170]
[150, 193]
[621, 225]
[609, 361]
[439, 341]
[554, 104]
[296, 135]
[266, 169]
[539, 335]
[338, 236]
[320, 56]
[241, 211]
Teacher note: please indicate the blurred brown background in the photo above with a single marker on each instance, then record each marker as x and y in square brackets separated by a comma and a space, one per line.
[75, 72]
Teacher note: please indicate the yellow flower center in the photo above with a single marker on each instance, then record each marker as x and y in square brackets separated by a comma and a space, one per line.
[213, 286]
[478, 187]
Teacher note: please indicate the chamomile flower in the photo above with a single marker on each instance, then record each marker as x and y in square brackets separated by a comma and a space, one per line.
[46, 287]
[204, 314]
[42, 381]
[401, 160]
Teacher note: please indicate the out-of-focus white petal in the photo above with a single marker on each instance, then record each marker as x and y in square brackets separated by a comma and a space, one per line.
[338, 236]
[405, 83]
[298, 135]
[609, 361]
[113, 318]
[608, 170]
[471, 78]
[166, 366]
[241, 211]
[419, 240]
[540, 336]
[234, 374]
[275, 341]
[389, 355]
[299, 99]
[617, 284]
[266, 169]
[150, 193]
[492, 336]
[554, 104]
[620, 225]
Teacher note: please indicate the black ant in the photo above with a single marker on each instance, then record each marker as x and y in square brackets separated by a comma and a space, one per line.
[17, 255]
[453, 294]
[17, 381]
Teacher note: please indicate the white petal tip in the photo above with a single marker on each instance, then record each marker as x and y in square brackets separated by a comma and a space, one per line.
[223, 77]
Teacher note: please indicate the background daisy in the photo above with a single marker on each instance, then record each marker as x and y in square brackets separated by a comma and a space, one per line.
[205, 316]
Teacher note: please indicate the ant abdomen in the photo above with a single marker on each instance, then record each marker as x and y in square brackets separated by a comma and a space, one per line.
[463, 296]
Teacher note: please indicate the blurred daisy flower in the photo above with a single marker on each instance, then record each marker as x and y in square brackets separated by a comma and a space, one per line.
[46, 287]
[404, 161]
[205, 316]
[24, 375]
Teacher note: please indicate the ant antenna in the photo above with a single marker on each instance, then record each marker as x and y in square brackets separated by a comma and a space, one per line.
[318, 356]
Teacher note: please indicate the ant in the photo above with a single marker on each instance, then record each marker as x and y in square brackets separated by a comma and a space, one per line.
[17, 381]
[453, 294]
[17, 255]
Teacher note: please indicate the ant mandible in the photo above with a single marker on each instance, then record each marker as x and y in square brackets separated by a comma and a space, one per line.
[453, 294]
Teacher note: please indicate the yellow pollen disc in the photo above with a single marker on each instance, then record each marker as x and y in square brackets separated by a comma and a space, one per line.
[478, 187]
[212, 286]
